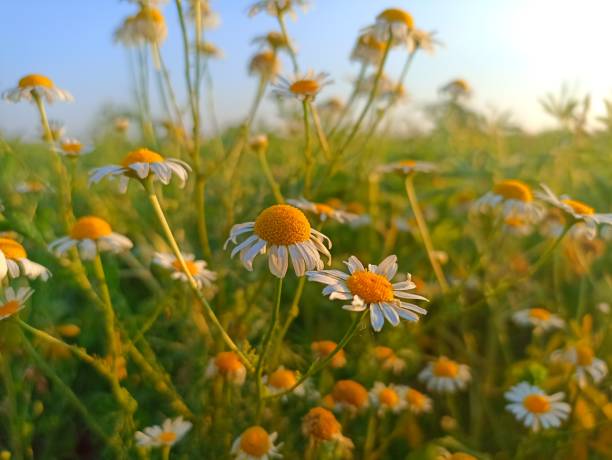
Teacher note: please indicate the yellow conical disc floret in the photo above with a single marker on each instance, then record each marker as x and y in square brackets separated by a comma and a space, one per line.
[302, 87]
[12, 249]
[282, 225]
[255, 442]
[513, 189]
[579, 207]
[397, 15]
[35, 80]
[141, 156]
[90, 227]
[371, 287]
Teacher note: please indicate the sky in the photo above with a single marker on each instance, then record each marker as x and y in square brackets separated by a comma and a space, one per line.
[512, 52]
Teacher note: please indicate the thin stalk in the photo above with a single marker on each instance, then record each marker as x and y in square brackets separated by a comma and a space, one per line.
[368, 445]
[422, 225]
[153, 199]
[292, 53]
[263, 161]
[319, 365]
[351, 100]
[166, 453]
[265, 347]
[294, 310]
[163, 69]
[309, 166]
[320, 132]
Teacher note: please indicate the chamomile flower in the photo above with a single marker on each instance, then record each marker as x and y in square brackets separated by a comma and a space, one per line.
[324, 211]
[535, 408]
[514, 199]
[122, 124]
[321, 425]
[276, 7]
[323, 348]
[265, 65]
[576, 210]
[389, 360]
[208, 18]
[284, 232]
[209, 50]
[349, 395]
[228, 366]
[517, 226]
[150, 24]
[407, 167]
[368, 49]
[274, 40]
[282, 380]
[303, 87]
[72, 148]
[18, 263]
[168, 434]
[141, 164]
[539, 318]
[417, 402]
[457, 88]
[395, 24]
[197, 268]
[259, 143]
[371, 288]
[445, 376]
[36, 85]
[423, 40]
[582, 357]
[91, 234]
[256, 444]
[14, 301]
[3, 266]
[387, 398]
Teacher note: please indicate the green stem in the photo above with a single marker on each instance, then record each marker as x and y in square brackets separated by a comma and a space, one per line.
[422, 225]
[168, 82]
[200, 191]
[192, 283]
[320, 132]
[351, 100]
[292, 53]
[368, 445]
[319, 365]
[265, 346]
[263, 161]
[582, 296]
[166, 453]
[308, 169]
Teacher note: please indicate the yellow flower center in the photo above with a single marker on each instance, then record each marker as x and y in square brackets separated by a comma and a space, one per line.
[35, 80]
[191, 266]
[228, 362]
[71, 147]
[282, 378]
[579, 207]
[584, 355]
[392, 15]
[371, 287]
[151, 14]
[12, 249]
[383, 353]
[388, 397]
[514, 221]
[69, 330]
[350, 392]
[513, 189]
[304, 87]
[444, 367]
[537, 404]
[141, 156]
[415, 398]
[371, 42]
[323, 347]
[9, 308]
[321, 424]
[167, 437]
[90, 227]
[282, 225]
[276, 40]
[407, 163]
[255, 441]
[323, 209]
[539, 313]
[462, 85]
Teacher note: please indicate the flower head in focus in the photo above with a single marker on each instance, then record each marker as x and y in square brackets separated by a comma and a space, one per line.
[168, 434]
[34, 86]
[535, 408]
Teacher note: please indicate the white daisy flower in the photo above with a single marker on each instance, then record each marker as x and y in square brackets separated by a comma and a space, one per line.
[227, 365]
[396, 22]
[371, 288]
[302, 87]
[209, 49]
[407, 167]
[324, 211]
[14, 301]
[256, 444]
[423, 40]
[576, 210]
[539, 318]
[168, 434]
[3, 266]
[282, 380]
[368, 50]
[17, 261]
[276, 7]
[72, 148]
[535, 408]
[445, 376]
[140, 164]
[321, 425]
[582, 357]
[39, 85]
[349, 395]
[417, 402]
[284, 232]
[514, 199]
[274, 40]
[389, 360]
[457, 88]
[197, 268]
[91, 234]
[265, 65]
[388, 397]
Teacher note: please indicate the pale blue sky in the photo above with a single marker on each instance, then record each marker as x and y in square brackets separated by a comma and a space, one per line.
[511, 51]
